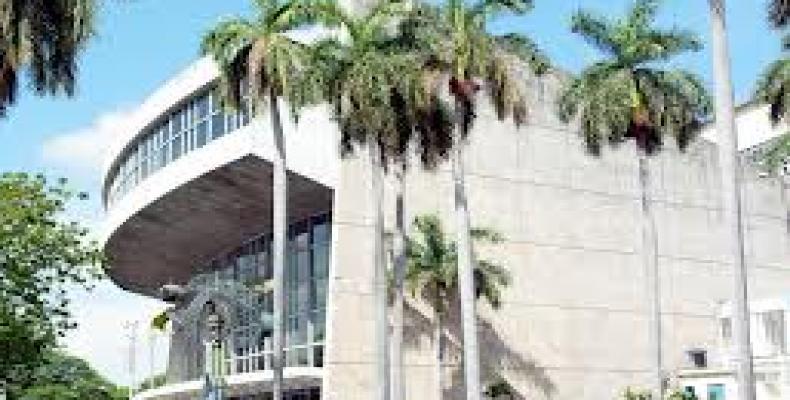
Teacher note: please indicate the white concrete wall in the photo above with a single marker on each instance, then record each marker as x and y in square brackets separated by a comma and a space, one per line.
[573, 324]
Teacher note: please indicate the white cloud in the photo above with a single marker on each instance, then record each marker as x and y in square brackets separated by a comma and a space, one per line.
[84, 150]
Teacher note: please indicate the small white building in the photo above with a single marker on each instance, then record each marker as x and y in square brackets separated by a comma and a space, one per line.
[711, 374]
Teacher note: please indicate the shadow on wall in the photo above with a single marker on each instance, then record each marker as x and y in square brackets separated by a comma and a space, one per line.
[498, 361]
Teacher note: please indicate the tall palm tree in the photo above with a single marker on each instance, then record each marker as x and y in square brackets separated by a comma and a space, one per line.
[462, 54]
[432, 271]
[628, 95]
[731, 175]
[370, 78]
[259, 53]
[44, 39]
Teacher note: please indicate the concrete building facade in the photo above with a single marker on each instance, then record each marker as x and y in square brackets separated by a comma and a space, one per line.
[188, 202]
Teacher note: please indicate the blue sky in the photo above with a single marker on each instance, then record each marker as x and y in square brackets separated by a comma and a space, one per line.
[141, 43]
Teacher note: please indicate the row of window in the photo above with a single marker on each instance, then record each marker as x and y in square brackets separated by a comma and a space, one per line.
[768, 333]
[306, 273]
[190, 126]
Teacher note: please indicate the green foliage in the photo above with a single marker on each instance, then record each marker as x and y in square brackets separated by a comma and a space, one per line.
[773, 88]
[154, 382]
[776, 154]
[63, 377]
[628, 95]
[635, 394]
[43, 40]
[40, 256]
[432, 265]
[258, 55]
[779, 12]
[498, 388]
[454, 43]
[372, 79]
[160, 320]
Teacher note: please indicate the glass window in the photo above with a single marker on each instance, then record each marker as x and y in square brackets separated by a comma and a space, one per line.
[143, 149]
[321, 232]
[774, 328]
[175, 147]
[217, 125]
[201, 134]
[164, 143]
[320, 261]
[202, 107]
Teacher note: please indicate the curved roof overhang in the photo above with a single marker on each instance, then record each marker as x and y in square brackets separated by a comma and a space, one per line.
[168, 240]
[214, 198]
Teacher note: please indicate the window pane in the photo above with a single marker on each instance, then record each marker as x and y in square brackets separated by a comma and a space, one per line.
[218, 125]
[175, 146]
[201, 132]
[201, 107]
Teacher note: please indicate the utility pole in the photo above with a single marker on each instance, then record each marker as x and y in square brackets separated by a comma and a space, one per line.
[731, 174]
[131, 333]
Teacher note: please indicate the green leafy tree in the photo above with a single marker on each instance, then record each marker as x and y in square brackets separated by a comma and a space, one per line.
[258, 54]
[40, 256]
[459, 53]
[432, 272]
[628, 95]
[64, 377]
[42, 39]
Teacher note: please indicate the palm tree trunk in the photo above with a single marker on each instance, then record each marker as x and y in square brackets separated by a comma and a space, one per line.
[437, 345]
[650, 263]
[379, 276]
[731, 201]
[397, 306]
[465, 260]
[279, 230]
[784, 184]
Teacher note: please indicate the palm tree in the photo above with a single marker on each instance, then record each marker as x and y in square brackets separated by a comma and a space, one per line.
[731, 175]
[432, 271]
[629, 96]
[43, 39]
[258, 52]
[458, 49]
[370, 79]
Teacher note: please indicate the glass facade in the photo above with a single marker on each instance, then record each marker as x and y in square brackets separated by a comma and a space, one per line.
[250, 345]
[187, 127]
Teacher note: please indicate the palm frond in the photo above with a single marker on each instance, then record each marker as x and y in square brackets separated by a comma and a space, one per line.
[596, 30]
[779, 12]
[643, 12]
[526, 50]
[773, 88]
[776, 155]
[43, 39]
[489, 8]
[228, 44]
[490, 279]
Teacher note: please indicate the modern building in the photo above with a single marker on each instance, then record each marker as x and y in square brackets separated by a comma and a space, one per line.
[187, 192]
